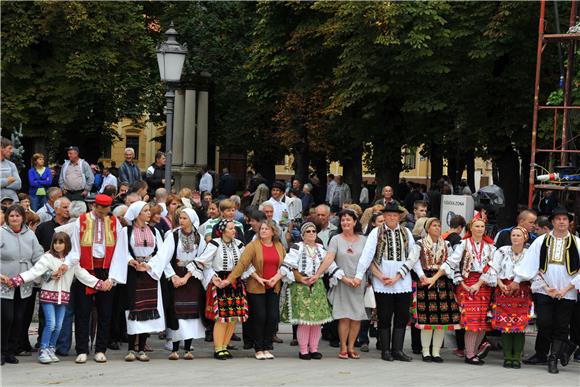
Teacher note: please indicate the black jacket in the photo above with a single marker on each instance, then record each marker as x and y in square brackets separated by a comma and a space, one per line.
[155, 175]
[227, 185]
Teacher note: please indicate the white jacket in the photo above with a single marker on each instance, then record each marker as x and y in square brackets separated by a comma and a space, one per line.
[56, 291]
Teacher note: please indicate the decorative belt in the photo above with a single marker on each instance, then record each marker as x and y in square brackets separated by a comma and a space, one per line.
[143, 259]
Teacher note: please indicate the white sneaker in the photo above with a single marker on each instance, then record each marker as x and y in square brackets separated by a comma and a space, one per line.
[44, 356]
[100, 357]
[52, 353]
[81, 358]
[260, 356]
[268, 355]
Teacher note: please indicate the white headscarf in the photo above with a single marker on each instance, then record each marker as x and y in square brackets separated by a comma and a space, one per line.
[134, 211]
[192, 216]
[164, 209]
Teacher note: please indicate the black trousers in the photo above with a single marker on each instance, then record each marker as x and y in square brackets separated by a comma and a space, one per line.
[553, 318]
[118, 332]
[393, 309]
[264, 309]
[542, 344]
[575, 323]
[83, 307]
[12, 318]
[27, 320]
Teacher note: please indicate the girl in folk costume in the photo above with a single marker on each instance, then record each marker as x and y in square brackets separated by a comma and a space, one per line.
[183, 296]
[435, 307]
[306, 304]
[225, 304]
[511, 311]
[136, 264]
[55, 293]
[466, 265]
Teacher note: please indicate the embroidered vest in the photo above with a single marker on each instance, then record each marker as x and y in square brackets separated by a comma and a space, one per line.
[87, 235]
[570, 258]
[382, 245]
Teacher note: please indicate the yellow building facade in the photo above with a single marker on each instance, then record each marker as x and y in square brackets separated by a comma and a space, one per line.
[139, 137]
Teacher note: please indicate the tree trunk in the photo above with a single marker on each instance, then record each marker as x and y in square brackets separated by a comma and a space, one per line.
[436, 163]
[508, 173]
[451, 169]
[470, 161]
[320, 165]
[352, 171]
[301, 163]
[263, 164]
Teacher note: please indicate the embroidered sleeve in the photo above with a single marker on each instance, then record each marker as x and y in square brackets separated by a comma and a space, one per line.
[411, 261]
[17, 280]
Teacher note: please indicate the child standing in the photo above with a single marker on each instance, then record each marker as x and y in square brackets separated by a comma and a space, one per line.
[55, 292]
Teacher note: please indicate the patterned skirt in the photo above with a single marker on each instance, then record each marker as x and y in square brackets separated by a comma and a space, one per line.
[228, 304]
[436, 308]
[511, 313]
[306, 305]
[474, 308]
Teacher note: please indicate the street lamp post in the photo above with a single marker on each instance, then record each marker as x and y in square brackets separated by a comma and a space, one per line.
[170, 59]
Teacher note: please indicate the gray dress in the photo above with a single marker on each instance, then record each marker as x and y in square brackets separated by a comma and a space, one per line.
[347, 302]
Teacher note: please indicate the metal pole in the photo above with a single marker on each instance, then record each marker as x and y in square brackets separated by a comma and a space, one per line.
[169, 98]
[536, 103]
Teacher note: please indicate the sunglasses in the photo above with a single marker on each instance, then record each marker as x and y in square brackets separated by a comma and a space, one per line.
[310, 231]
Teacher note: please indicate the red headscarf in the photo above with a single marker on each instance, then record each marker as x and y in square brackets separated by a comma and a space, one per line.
[486, 238]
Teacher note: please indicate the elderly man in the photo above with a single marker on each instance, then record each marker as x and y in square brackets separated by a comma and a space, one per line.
[93, 243]
[526, 219]
[129, 171]
[339, 194]
[76, 177]
[10, 182]
[46, 212]
[327, 229]
[45, 230]
[552, 263]
[388, 198]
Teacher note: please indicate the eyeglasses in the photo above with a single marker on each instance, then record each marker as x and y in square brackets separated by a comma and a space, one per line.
[310, 231]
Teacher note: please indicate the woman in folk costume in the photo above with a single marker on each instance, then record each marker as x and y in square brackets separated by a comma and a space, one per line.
[136, 264]
[306, 305]
[466, 266]
[225, 305]
[435, 308]
[183, 295]
[511, 311]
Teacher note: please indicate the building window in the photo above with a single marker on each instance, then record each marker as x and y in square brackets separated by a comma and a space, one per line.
[133, 142]
[409, 158]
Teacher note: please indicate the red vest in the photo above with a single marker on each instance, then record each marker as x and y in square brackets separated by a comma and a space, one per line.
[87, 234]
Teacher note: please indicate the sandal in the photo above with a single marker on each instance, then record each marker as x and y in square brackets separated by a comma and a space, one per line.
[343, 355]
[354, 355]
[474, 361]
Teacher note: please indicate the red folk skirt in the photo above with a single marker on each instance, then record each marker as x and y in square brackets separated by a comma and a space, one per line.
[474, 308]
[511, 313]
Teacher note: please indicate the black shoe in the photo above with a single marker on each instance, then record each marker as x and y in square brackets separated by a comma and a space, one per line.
[474, 361]
[304, 356]
[507, 364]
[397, 348]
[384, 338]
[567, 351]
[277, 340]
[577, 355]
[315, 355]
[437, 359]
[221, 355]
[235, 338]
[113, 345]
[294, 343]
[334, 343]
[553, 365]
[401, 356]
[417, 351]
[517, 364]
[427, 359]
[232, 348]
[248, 345]
[484, 349]
[11, 359]
[386, 356]
[536, 359]
[228, 354]
[208, 336]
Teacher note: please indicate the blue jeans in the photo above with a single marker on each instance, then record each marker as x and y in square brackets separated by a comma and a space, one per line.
[53, 316]
[64, 341]
[37, 202]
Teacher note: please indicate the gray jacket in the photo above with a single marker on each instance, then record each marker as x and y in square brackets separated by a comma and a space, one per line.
[87, 173]
[18, 253]
[8, 168]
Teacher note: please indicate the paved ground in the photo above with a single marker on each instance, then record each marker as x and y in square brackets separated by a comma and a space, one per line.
[285, 370]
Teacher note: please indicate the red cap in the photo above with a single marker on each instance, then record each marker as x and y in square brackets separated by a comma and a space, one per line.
[104, 200]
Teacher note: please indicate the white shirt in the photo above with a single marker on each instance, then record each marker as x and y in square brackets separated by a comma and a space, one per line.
[452, 266]
[110, 179]
[556, 275]
[502, 265]
[364, 195]
[389, 268]
[294, 205]
[206, 183]
[279, 208]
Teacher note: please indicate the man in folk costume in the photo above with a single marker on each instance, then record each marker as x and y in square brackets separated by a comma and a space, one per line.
[387, 252]
[93, 241]
[553, 263]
